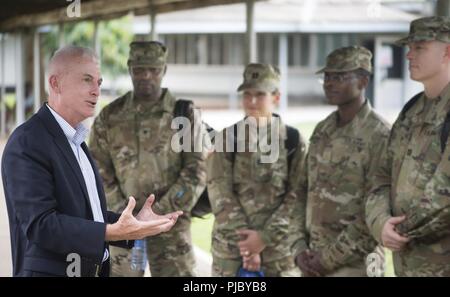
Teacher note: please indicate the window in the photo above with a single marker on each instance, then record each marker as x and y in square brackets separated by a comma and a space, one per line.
[298, 49]
[268, 45]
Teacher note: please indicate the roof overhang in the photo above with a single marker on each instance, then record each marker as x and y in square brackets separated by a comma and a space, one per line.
[21, 14]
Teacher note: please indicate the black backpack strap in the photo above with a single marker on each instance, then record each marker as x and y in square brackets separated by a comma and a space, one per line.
[183, 108]
[409, 104]
[235, 144]
[291, 143]
[445, 131]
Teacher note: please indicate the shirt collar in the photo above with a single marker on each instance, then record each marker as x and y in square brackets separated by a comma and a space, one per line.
[165, 103]
[76, 135]
[434, 110]
[354, 125]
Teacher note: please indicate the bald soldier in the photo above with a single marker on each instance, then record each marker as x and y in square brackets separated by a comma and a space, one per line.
[131, 141]
[408, 210]
[343, 152]
[251, 193]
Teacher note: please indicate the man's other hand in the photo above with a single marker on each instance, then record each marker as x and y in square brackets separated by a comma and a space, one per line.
[145, 224]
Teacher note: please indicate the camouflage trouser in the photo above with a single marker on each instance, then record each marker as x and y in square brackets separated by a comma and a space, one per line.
[121, 263]
[169, 254]
[228, 267]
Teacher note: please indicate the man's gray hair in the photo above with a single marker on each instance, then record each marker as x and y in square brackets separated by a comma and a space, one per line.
[70, 53]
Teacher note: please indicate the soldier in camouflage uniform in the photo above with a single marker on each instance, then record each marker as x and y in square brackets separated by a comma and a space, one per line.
[343, 151]
[131, 142]
[252, 201]
[408, 209]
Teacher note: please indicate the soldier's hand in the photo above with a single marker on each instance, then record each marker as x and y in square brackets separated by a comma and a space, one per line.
[146, 213]
[303, 262]
[252, 263]
[130, 228]
[251, 242]
[315, 263]
[389, 236]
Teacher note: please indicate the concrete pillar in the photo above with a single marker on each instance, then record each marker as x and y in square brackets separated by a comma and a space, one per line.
[153, 34]
[96, 39]
[251, 50]
[443, 8]
[20, 78]
[3, 88]
[283, 65]
[36, 71]
[377, 74]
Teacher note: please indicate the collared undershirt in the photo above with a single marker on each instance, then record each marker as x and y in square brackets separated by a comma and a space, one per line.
[76, 137]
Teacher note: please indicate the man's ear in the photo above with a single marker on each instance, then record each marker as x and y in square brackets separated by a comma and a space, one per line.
[53, 82]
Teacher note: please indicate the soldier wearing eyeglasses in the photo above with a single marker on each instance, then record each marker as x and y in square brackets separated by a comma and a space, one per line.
[333, 239]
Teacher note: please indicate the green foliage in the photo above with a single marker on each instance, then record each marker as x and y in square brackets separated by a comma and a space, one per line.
[115, 40]
[115, 37]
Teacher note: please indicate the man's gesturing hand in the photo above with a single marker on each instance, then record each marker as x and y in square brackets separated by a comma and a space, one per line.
[146, 223]
[146, 213]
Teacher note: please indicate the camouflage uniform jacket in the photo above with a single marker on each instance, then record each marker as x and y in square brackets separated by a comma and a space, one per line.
[246, 193]
[131, 142]
[339, 163]
[413, 179]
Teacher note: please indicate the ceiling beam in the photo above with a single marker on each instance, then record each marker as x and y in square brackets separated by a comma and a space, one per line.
[105, 9]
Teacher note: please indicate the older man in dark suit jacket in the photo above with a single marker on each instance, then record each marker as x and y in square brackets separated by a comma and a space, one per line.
[54, 194]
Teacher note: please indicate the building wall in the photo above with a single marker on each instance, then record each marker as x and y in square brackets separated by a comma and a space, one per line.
[10, 50]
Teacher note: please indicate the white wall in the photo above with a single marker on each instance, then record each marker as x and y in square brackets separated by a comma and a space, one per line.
[10, 73]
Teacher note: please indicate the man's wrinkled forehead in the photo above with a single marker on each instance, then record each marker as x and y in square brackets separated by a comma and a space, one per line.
[83, 67]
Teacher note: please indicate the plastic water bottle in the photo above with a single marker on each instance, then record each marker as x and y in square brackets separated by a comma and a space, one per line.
[139, 255]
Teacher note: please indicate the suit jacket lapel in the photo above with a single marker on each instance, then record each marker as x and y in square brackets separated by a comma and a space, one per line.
[63, 144]
[98, 180]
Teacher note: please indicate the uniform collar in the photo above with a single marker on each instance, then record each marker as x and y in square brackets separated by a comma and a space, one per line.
[165, 103]
[436, 108]
[354, 125]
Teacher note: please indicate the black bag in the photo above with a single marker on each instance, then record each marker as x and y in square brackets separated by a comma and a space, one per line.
[290, 143]
[184, 108]
[203, 206]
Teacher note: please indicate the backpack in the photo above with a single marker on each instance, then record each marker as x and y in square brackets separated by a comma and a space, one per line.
[290, 143]
[183, 108]
[203, 206]
[445, 129]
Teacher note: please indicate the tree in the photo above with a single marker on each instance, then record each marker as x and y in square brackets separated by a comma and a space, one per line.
[115, 36]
